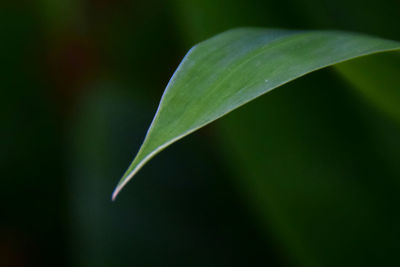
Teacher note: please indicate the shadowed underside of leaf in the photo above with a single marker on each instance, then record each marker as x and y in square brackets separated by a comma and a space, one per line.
[235, 67]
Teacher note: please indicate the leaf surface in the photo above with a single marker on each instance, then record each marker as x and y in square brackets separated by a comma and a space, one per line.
[237, 66]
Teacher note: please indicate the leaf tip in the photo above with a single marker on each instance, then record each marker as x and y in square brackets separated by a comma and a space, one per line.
[115, 193]
[119, 187]
[124, 180]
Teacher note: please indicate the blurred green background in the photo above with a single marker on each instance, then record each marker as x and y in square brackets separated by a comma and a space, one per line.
[306, 176]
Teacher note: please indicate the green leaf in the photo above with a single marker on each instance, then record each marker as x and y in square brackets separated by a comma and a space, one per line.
[235, 67]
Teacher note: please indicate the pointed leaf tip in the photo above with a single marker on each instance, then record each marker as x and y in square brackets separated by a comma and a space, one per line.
[235, 67]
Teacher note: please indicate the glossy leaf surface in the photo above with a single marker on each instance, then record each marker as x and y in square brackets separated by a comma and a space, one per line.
[235, 67]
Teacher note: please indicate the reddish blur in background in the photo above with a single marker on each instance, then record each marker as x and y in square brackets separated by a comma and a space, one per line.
[80, 82]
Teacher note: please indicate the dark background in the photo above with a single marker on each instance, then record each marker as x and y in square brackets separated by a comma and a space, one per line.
[306, 176]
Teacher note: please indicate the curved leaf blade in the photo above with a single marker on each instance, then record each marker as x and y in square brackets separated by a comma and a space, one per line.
[235, 67]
